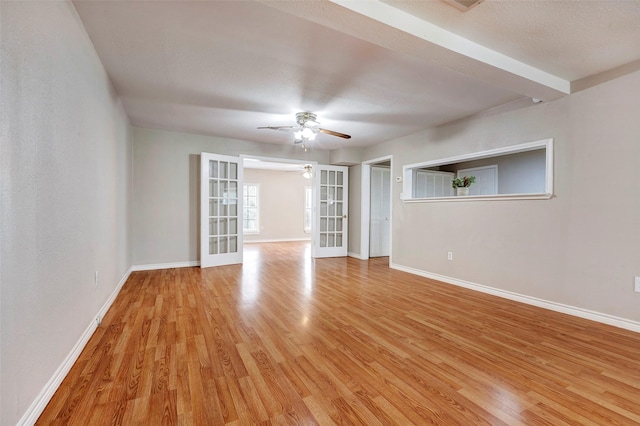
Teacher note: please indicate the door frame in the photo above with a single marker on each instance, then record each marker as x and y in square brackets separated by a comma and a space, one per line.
[379, 194]
[314, 167]
[365, 206]
[249, 157]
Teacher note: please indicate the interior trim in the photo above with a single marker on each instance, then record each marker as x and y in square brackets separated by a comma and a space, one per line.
[365, 206]
[473, 52]
[546, 144]
[356, 256]
[154, 266]
[39, 404]
[529, 300]
[502, 197]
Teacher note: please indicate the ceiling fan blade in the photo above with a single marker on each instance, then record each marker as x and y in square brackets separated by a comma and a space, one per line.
[281, 128]
[332, 133]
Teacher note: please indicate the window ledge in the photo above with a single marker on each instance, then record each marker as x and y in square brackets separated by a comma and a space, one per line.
[504, 197]
[251, 233]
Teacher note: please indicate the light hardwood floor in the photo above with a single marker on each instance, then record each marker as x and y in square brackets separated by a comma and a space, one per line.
[285, 339]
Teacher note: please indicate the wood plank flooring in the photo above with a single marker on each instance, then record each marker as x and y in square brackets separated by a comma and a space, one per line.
[286, 339]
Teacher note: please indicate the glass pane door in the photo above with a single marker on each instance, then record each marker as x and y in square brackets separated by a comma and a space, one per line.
[330, 234]
[221, 210]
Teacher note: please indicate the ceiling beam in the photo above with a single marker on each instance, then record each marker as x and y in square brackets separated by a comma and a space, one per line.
[392, 28]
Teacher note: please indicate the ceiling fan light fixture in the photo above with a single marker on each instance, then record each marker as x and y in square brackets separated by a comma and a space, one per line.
[306, 117]
[307, 172]
[307, 129]
[308, 133]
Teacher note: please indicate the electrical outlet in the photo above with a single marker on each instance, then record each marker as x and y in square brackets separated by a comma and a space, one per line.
[637, 286]
[450, 255]
[96, 278]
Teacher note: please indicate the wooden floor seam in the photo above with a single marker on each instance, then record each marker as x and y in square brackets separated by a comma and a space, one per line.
[287, 339]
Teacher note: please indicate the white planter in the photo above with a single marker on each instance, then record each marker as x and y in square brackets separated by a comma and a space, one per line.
[462, 191]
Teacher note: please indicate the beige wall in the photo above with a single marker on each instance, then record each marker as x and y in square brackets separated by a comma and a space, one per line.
[65, 195]
[166, 181]
[281, 204]
[80, 193]
[520, 173]
[579, 248]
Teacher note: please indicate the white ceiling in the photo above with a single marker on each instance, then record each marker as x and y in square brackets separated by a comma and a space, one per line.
[375, 70]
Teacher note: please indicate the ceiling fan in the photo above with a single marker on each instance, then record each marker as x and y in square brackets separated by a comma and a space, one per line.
[307, 129]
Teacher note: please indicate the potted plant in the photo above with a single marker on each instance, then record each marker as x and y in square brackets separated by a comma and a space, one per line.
[461, 185]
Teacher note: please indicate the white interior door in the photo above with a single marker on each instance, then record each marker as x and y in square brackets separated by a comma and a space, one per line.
[486, 179]
[380, 212]
[428, 183]
[330, 208]
[220, 210]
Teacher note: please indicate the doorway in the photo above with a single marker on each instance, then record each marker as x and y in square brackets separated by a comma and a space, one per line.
[275, 195]
[380, 211]
[325, 214]
[376, 221]
[329, 212]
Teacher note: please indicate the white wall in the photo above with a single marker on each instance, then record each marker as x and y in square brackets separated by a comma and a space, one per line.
[579, 248]
[166, 187]
[65, 194]
[281, 207]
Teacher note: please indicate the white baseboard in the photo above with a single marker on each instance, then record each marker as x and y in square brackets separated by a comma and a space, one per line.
[38, 405]
[279, 240]
[529, 300]
[154, 266]
[356, 255]
[103, 311]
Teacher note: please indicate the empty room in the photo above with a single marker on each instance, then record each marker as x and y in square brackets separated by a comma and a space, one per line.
[319, 212]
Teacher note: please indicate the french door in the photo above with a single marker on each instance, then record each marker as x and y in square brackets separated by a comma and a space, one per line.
[330, 229]
[220, 210]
